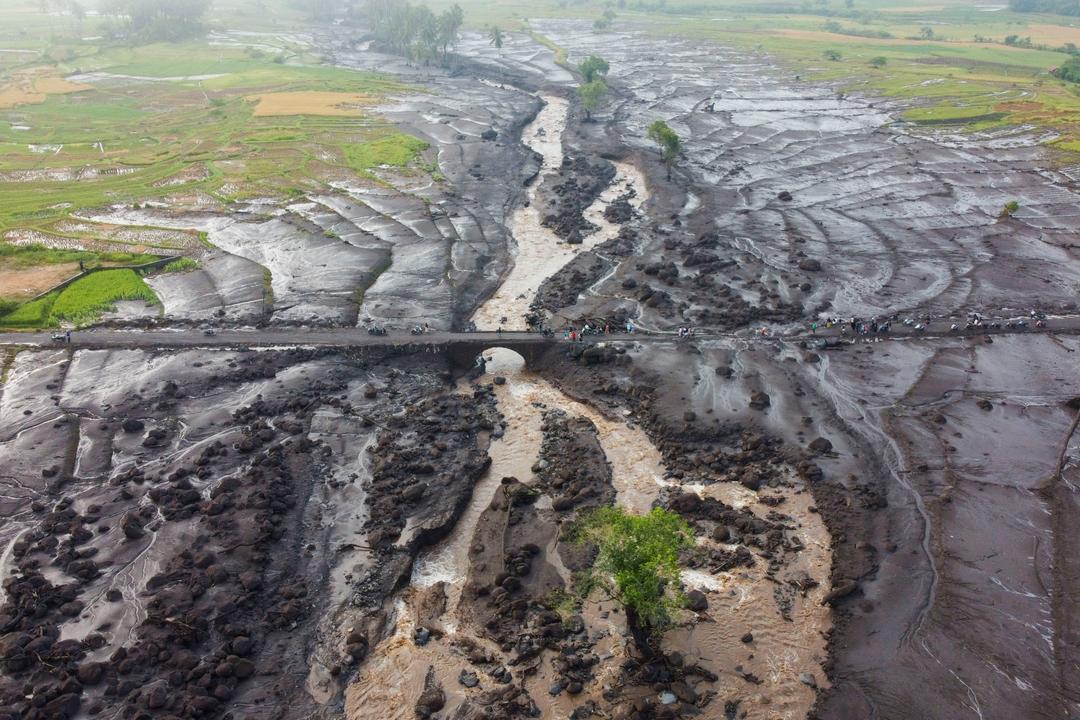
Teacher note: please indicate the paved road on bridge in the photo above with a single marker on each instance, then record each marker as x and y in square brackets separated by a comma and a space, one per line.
[359, 337]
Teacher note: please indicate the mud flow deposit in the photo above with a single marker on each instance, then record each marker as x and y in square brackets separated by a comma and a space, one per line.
[338, 469]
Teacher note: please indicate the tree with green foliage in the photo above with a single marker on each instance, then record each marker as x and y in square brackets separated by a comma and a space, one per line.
[592, 94]
[667, 142]
[496, 35]
[637, 565]
[1009, 210]
[604, 21]
[414, 30]
[1068, 70]
[879, 61]
[425, 46]
[594, 68]
[926, 33]
[450, 23]
[833, 55]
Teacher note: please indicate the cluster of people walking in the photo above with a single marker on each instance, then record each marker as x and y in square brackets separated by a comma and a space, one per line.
[856, 325]
[975, 321]
[574, 334]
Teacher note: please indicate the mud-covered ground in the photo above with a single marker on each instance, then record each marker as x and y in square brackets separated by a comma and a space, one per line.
[949, 522]
[382, 533]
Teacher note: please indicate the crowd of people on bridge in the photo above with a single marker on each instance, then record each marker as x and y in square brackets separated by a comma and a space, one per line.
[974, 322]
[575, 334]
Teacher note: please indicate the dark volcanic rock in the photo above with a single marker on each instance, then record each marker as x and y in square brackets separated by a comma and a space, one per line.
[582, 182]
[432, 699]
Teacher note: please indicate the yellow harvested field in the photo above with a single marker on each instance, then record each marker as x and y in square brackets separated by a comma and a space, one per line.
[58, 86]
[34, 86]
[834, 37]
[1052, 34]
[311, 103]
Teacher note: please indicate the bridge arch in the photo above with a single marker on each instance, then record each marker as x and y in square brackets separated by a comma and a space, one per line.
[463, 354]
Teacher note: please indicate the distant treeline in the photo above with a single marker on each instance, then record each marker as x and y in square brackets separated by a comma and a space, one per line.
[1057, 7]
[154, 20]
[414, 30]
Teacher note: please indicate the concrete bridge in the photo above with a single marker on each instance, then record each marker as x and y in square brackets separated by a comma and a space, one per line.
[462, 348]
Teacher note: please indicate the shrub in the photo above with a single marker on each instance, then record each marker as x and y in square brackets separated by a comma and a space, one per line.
[183, 264]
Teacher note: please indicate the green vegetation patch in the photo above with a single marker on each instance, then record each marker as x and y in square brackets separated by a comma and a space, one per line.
[82, 302]
[393, 149]
[637, 562]
[181, 265]
[33, 314]
[86, 299]
[27, 256]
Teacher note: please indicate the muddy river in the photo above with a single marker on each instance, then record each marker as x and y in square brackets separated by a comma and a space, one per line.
[537, 253]
[786, 653]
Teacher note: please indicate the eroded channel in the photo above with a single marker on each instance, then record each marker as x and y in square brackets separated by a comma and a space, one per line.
[539, 253]
[744, 634]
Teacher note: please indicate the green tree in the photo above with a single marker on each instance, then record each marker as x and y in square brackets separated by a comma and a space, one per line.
[878, 61]
[428, 34]
[1009, 210]
[592, 94]
[667, 142]
[414, 30]
[450, 23]
[594, 68]
[833, 55]
[496, 36]
[1069, 70]
[637, 565]
[656, 130]
[926, 32]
